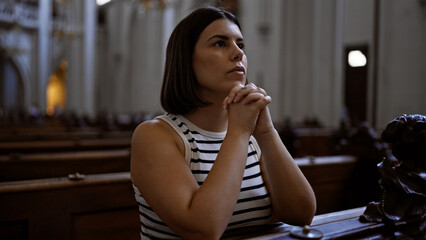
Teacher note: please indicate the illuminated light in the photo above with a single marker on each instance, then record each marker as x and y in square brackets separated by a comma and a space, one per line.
[56, 90]
[102, 2]
[356, 59]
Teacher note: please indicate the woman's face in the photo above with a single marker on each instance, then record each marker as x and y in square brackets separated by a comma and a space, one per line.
[219, 60]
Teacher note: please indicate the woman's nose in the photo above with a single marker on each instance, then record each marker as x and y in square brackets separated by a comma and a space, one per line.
[237, 53]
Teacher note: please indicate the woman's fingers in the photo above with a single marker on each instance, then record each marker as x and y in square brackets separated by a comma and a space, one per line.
[225, 103]
[235, 91]
[247, 89]
[250, 93]
[261, 90]
[240, 91]
[257, 96]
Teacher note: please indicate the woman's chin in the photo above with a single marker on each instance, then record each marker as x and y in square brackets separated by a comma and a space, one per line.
[236, 82]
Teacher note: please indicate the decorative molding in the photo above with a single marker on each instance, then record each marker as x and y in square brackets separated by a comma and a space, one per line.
[19, 13]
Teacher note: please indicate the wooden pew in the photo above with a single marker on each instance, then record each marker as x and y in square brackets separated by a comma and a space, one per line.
[100, 206]
[59, 164]
[83, 213]
[8, 130]
[330, 177]
[343, 224]
[61, 134]
[103, 206]
[64, 145]
[314, 141]
[305, 141]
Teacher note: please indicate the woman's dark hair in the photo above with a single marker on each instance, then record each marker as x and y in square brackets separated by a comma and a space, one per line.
[179, 90]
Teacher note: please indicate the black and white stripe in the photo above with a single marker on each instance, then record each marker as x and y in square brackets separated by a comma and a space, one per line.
[253, 206]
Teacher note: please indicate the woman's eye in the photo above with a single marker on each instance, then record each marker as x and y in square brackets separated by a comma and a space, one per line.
[220, 44]
[241, 45]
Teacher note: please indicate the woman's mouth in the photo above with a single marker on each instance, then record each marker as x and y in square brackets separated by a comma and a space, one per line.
[238, 70]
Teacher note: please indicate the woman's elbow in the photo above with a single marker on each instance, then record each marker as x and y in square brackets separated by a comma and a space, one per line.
[205, 231]
[307, 209]
[208, 235]
[301, 215]
[307, 213]
[306, 218]
[310, 211]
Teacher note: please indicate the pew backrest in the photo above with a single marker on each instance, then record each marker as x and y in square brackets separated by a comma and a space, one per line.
[59, 164]
[100, 206]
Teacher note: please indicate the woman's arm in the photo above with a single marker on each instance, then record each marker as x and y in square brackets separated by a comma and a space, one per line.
[163, 177]
[292, 197]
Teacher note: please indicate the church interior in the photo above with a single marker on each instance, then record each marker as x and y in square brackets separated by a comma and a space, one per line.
[78, 76]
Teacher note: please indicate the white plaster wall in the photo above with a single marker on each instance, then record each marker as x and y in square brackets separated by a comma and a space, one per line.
[402, 68]
[359, 26]
[296, 61]
[43, 62]
[358, 21]
[264, 50]
[299, 61]
[135, 54]
[119, 34]
[148, 54]
[79, 53]
[327, 84]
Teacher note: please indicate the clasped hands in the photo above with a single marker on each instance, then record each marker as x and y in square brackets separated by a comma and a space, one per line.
[247, 107]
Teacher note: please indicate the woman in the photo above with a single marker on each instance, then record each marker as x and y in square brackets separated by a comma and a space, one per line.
[214, 161]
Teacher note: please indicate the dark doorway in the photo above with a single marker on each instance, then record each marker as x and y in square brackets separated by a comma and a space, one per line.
[356, 73]
[11, 87]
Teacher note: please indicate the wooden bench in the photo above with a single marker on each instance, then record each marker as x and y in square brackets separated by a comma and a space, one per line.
[100, 206]
[330, 177]
[8, 129]
[343, 224]
[59, 164]
[63, 135]
[314, 141]
[89, 208]
[64, 145]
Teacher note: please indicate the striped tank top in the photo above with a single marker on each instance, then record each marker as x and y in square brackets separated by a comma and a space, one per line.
[201, 149]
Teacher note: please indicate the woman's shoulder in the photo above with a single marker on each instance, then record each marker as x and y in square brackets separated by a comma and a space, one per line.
[155, 134]
[152, 128]
[156, 131]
